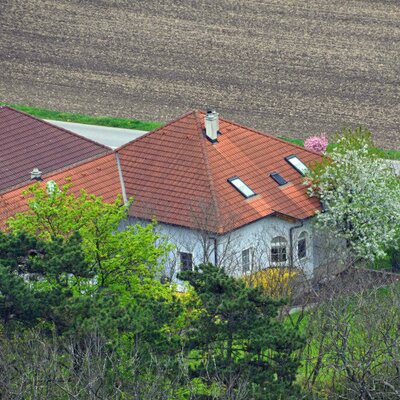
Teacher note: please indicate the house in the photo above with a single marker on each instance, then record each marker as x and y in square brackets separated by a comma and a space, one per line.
[222, 193]
[29, 143]
[219, 191]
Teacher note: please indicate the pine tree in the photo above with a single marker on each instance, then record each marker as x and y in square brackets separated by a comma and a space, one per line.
[238, 339]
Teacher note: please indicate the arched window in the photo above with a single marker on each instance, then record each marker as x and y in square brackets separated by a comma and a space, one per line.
[302, 245]
[278, 249]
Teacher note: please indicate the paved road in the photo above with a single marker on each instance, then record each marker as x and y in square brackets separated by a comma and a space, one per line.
[396, 167]
[111, 137]
[289, 67]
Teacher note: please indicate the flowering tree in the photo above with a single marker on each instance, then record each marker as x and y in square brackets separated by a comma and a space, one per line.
[361, 196]
[316, 143]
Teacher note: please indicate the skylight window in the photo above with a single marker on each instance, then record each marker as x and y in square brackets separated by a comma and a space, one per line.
[241, 186]
[297, 164]
[278, 179]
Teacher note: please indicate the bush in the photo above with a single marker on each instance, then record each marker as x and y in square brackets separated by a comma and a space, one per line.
[275, 281]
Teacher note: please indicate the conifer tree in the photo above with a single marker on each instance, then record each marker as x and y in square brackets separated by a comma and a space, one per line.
[238, 338]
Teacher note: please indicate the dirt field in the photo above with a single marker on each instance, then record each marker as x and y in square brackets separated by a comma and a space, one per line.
[283, 66]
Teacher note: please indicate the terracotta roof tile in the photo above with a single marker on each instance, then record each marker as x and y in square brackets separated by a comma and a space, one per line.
[98, 176]
[27, 143]
[178, 176]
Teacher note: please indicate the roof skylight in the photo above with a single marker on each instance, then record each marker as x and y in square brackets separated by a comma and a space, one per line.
[238, 184]
[278, 179]
[298, 165]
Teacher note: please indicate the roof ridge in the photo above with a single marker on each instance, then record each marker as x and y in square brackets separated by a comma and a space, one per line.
[156, 130]
[57, 171]
[57, 127]
[208, 172]
[270, 136]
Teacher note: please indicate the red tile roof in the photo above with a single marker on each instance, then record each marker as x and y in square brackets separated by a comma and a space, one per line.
[98, 176]
[178, 176]
[27, 143]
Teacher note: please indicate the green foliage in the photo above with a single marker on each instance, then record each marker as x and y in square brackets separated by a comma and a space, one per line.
[238, 339]
[360, 194]
[107, 277]
[353, 350]
[67, 268]
[36, 275]
[86, 119]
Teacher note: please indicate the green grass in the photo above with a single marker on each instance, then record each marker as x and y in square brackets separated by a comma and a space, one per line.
[86, 119]
[381, 153]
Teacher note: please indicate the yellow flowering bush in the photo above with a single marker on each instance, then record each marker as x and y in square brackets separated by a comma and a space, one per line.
[276, 281]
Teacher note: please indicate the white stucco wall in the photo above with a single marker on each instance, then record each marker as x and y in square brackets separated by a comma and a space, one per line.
[257, 235]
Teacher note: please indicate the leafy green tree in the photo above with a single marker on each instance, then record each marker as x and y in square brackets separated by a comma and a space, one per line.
[95, 275]
[237, 338]
[116, 258]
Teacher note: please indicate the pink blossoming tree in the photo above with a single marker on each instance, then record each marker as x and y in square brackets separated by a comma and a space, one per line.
[316, 143]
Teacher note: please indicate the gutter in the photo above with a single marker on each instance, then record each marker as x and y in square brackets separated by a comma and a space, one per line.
[121, 179]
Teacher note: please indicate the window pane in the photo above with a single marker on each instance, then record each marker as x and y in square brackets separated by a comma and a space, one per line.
[278, 179]
[241, 186]
[186, 261]
[297, 164]
[301, 248]
[278, 249]
[246, 260]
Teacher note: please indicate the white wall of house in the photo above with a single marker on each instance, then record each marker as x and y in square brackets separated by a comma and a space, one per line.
[256, 236]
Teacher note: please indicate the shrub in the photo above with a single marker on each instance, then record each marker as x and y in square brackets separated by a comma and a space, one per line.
[275, 281]
[316, 143]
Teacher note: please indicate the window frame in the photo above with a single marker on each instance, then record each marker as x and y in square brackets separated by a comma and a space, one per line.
[236, 178]
[278, 178]
[297, 168]
[302, 238]
[183, 263]
[250, 251]
[279, 249]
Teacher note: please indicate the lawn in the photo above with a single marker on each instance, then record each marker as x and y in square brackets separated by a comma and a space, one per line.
[86, 119]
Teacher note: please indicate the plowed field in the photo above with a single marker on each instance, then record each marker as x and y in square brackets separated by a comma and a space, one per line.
[283, 66]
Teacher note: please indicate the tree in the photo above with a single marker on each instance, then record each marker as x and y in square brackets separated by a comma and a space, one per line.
[352, 350]
[360, 194]
[239, 341]
[114, 256]
[95, 277]
[111, 275]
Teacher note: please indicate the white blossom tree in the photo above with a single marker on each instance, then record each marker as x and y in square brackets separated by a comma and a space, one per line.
[360, 194]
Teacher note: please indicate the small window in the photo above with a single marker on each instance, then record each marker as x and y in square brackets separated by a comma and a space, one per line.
[241, 186]
[302, 245]
[247, 260]
[186, 261]
[279, 249]
[297, 164]
[278, 179]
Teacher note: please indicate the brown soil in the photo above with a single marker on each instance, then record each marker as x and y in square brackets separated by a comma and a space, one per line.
[284, 66]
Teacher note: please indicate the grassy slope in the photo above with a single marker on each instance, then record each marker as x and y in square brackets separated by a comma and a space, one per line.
[136, 124]
[86, 119]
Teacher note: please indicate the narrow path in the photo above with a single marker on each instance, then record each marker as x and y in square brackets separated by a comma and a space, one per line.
[111, 137]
